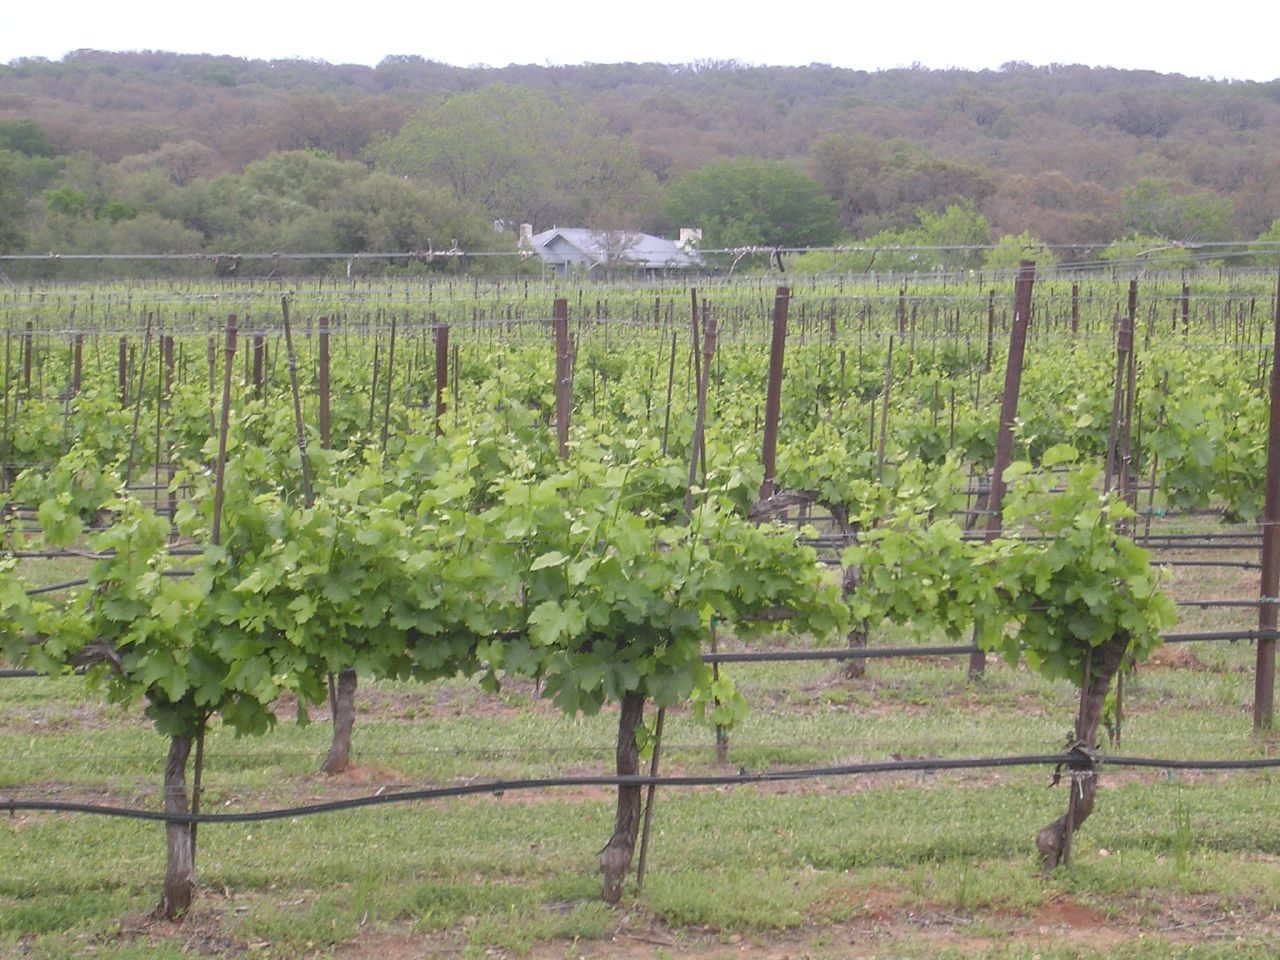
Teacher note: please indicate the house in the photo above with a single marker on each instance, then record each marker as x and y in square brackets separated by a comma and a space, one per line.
[601, 253]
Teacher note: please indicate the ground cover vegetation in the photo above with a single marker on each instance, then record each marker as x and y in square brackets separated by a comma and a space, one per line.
[410, 517]
[162, 153]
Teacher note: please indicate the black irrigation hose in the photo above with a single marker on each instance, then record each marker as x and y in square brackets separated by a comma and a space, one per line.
[878, 653]
[861, 653]
[68, 584]
[843, 653]
[1238, 564]
[1206, 604]
[1074, 760]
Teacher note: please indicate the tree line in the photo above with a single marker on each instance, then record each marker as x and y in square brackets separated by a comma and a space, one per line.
[167, 153]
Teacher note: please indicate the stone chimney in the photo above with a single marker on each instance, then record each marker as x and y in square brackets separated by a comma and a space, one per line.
[526, 236]
[690, 237]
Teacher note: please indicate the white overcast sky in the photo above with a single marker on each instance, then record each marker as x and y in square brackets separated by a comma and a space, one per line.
[1237, 41]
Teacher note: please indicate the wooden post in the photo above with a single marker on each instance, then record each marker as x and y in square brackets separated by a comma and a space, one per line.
[1008, 414]
[1265, 674]
[773, 394]
[323, 381]
[560, 323]
[442, 374]
[223, 430]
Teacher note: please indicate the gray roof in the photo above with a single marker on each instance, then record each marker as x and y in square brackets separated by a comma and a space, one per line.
[593, 248]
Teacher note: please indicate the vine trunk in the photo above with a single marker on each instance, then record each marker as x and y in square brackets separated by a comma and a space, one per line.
[344, 718]
[615, 859]
[1054, 840]
[180, 872]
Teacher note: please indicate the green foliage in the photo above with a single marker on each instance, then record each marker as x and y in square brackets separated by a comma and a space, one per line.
[12, 201]
[1011, 250]
[522, 157]
[1085, 584]
[69, 495]
[25, 137]
[749, 202]
[1152, 207]
[1138, 252]
[618, 592]
[1267, 251]
[1062, 574]
[883, 184]
[940, 241]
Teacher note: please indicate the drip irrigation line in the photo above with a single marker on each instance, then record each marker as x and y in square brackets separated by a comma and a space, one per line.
[68, 584]
[90, 555]
[1207, 604]
[1229, 564]
[881, 653]
[841, 653]
[499, 787]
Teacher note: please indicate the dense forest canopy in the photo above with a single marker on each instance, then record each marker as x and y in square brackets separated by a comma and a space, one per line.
[168, 153]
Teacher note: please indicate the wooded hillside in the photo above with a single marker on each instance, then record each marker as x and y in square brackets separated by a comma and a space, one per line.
[156, 152]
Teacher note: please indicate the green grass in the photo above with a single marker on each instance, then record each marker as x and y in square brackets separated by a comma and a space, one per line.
[1183, 865]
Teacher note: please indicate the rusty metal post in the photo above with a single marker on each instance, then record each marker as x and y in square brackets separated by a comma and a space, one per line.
[77, 364]
[298, 423]
[991, 328]
[1185, 301]
[28, 349]
[560, 323]
[884, 411]
[442, 374]
[167, 352]
[122, 367]
[212, 357]
[1008, 414]
[671, 380]
[1265, 674]
[1124, 347]
[322, 378]
[773, 392]
[219, 488]
[391, 379]
[259, 346]
[700, 416]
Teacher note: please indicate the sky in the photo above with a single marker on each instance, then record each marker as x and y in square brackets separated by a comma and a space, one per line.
[1236, 44]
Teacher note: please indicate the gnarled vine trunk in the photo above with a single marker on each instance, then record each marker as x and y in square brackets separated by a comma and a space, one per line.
[344, 718]
[1054, 840]
[615, 859]
[180, 871]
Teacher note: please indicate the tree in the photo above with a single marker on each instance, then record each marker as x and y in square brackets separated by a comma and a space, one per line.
[1012, 249]
[12, 202]
[750, 202]
[522, 157]
[1268, 247]
[959, 226]
[1137, 253]
[883, 184]
[950, 240]
[25, 137]
[305, 201]
[1152, 207]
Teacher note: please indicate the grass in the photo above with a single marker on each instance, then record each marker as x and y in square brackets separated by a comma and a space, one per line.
[903, 865]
